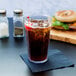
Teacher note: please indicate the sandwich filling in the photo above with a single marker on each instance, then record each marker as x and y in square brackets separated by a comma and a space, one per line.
[65, 25]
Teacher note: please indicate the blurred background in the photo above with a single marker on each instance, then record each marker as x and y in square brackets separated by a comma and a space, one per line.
[37, 7]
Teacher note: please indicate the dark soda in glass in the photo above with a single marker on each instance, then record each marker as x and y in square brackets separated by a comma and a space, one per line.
[37, 33]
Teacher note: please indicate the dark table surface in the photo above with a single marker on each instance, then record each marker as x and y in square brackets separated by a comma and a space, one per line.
[12, 65]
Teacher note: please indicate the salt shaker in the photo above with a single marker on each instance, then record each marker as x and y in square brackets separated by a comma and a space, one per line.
[4, 26]
[18, 24]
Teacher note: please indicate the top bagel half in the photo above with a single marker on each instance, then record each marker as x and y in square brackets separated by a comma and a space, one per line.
[66, 16]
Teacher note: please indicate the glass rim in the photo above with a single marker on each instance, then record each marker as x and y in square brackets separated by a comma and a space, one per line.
[44, 17]
[39, 18]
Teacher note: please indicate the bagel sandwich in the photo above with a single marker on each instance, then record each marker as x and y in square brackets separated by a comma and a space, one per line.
[64, 19]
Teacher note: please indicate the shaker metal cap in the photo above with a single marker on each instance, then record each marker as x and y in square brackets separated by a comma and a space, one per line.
[18, 12]
[3, 12]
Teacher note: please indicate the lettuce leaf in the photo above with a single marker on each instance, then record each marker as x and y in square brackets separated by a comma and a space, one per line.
[66, 27]
[58, 23]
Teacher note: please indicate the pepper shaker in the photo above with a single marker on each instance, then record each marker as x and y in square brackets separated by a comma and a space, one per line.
[18, 24]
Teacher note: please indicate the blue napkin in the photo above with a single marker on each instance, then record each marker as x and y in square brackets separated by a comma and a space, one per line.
[56, 60]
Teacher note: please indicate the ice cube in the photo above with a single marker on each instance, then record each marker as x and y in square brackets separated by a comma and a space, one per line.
[35, 24]
[45, 25]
